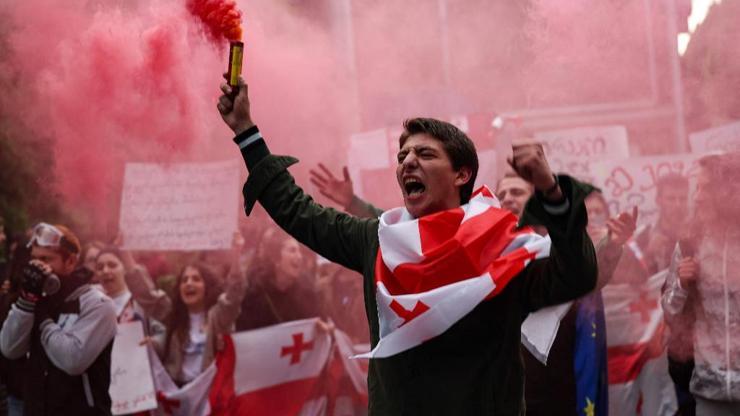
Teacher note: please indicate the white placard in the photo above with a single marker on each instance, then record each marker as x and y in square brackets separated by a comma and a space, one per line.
[595, 142]
[185, 206]
[577, 167]
[369, 150]
[131, 385]
[724, 138]
[632, 182]
[572, 151]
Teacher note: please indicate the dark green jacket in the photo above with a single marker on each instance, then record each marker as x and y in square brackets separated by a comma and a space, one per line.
[472, 369]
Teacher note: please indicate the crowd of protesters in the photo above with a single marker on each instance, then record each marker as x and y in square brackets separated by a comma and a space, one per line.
[49, 366]
[56, 340]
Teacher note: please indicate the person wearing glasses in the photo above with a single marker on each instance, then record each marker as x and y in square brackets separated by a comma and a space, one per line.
[64, 327]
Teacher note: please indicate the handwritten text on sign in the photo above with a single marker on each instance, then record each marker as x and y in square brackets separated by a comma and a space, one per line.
[724, 138]
[131, 386]
[632, 182]
[188, 206]
[587, 142]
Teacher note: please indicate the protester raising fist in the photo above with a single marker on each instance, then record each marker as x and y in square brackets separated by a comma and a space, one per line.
[529, 162]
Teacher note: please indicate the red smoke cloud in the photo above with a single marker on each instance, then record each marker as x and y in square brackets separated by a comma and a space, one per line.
[109, 86]
[109, 82]
[221, 17]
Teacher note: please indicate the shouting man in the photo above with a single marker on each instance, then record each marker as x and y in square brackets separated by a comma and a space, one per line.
[449, 277]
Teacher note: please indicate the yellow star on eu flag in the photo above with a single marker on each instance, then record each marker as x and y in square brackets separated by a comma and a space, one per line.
[589, 409]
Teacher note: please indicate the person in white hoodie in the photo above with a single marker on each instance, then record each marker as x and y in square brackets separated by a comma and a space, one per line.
[703, 287]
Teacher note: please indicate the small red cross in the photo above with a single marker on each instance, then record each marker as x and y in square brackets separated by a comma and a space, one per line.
[168, 404]
[296, 349]
[644, 306]
[408, 315]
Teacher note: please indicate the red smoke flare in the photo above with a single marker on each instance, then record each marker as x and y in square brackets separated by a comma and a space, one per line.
[221, 17]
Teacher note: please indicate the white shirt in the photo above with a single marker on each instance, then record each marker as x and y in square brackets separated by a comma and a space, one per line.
[120, 302]
[192, 363]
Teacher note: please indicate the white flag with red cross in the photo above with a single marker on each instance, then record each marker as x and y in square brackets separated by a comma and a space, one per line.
[356, 370]
[272, 371]
[432, 271]
[346, 379]
[638, 373]
[188, 400]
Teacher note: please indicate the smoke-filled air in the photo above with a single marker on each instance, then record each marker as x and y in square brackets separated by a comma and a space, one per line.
[345, 207]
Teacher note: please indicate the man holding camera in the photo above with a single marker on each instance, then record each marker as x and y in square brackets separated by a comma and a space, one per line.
[65, 327]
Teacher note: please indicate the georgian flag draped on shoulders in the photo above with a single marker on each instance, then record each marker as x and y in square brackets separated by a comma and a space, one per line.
[434, 270]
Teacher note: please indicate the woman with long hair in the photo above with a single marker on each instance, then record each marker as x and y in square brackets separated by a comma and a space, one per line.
[202, 309]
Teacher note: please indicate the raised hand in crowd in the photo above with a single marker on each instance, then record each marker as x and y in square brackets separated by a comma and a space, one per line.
[325, 326]
[688, 271]
[237, 246]
[622, 227]
[126, 258]
[529, 162]
[338, 190]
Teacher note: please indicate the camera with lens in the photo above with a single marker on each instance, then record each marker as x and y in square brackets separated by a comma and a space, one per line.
[38, 282]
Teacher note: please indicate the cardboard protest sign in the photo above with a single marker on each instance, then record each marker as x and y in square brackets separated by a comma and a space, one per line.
[187, 206]
[587, 142]
[632, 182]
[367, 151]
[724, 139]
[131, 385]
[572, 151]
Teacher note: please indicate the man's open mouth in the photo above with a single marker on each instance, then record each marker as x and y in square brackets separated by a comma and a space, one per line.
[413, 187]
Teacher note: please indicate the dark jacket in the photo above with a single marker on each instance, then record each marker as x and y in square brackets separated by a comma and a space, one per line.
[474, 368]
[264, 305]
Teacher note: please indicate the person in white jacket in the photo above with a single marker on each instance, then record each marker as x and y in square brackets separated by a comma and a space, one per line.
[703, 287]
[64, 327]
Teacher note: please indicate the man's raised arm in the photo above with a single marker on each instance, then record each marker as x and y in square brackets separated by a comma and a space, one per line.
[570, 271]
[336, 236]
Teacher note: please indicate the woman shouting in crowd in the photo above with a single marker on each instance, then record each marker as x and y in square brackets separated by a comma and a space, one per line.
[203, 309]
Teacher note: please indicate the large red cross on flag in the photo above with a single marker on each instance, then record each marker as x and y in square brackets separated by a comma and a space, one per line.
[644, 305]
[271, 371]
[638, 373]
[432, 271]
[295, 350]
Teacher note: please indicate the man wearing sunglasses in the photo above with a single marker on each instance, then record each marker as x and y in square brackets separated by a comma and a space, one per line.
[64, 327]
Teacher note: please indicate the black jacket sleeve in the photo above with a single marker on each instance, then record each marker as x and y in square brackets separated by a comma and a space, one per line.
[570, 271]
[339, 237]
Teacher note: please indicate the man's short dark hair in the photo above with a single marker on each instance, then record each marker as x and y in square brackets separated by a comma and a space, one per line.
[458, 146]
[671, 180]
